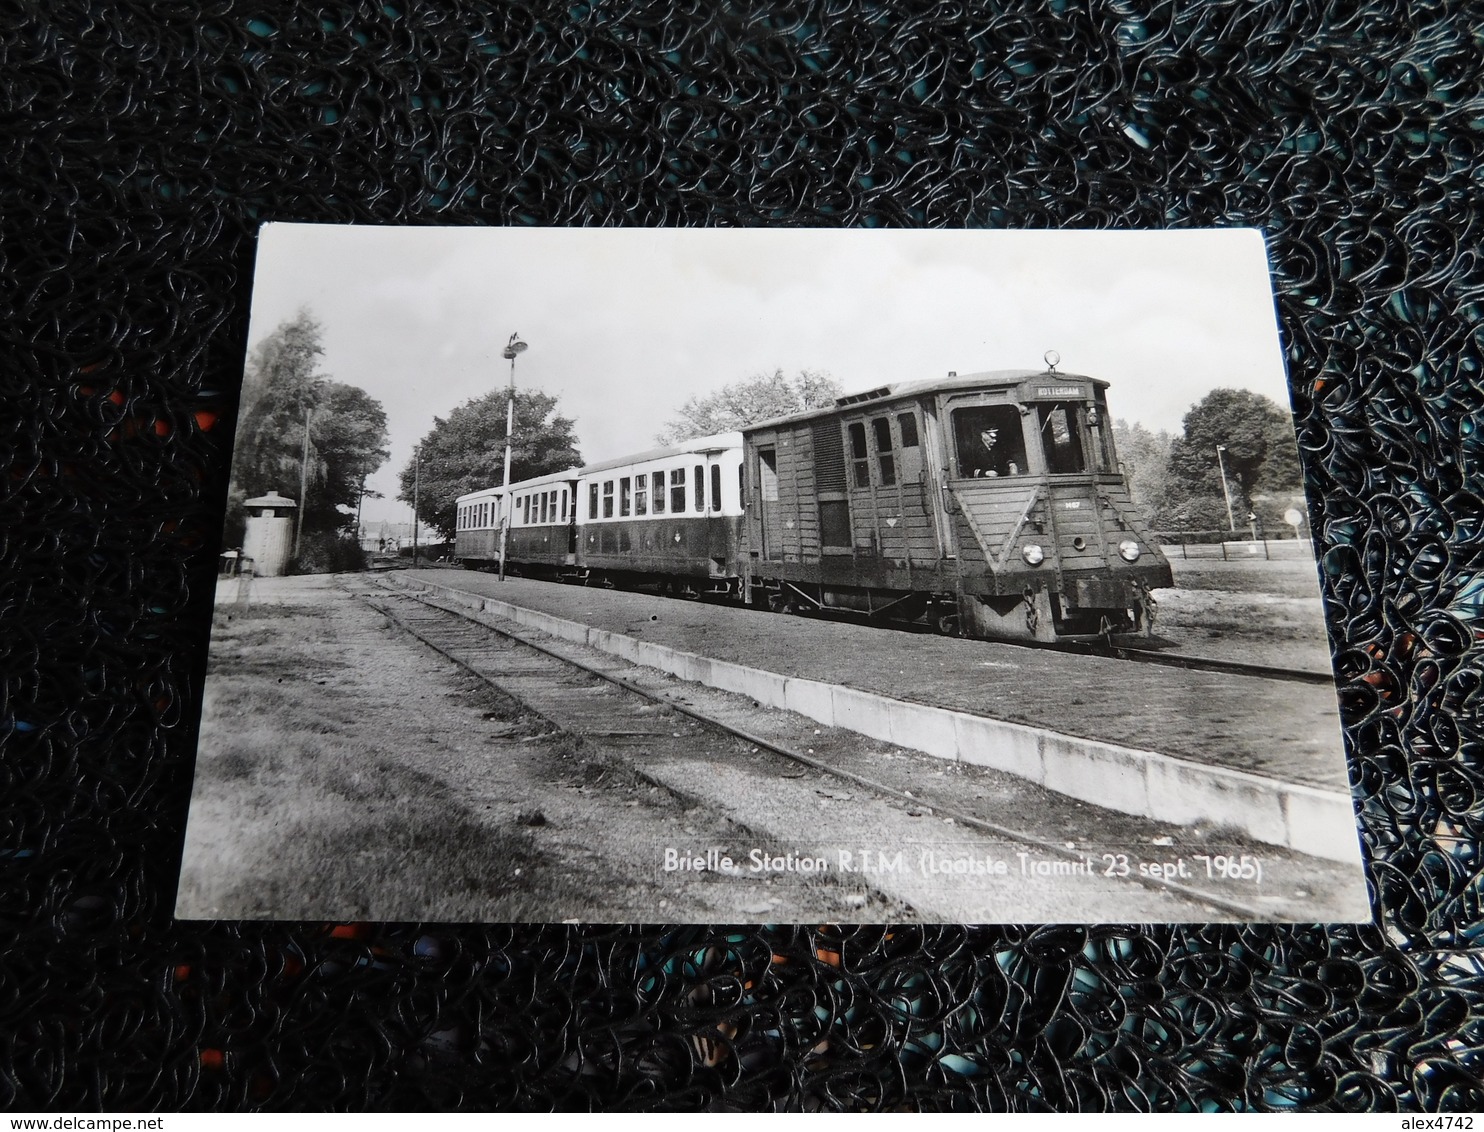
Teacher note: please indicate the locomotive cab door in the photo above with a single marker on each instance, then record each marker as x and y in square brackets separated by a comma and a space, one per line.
[891, 490]
[769, 511]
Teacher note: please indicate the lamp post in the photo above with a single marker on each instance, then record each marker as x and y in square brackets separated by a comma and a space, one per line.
[512, 348]
[303, 483]
[1231, 521]
[417, 474]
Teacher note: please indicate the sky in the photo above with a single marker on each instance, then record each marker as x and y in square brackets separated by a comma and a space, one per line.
[625, 324]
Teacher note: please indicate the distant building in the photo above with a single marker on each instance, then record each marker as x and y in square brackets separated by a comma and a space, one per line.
[386, 537]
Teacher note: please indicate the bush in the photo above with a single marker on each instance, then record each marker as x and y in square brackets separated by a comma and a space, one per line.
[328, 553]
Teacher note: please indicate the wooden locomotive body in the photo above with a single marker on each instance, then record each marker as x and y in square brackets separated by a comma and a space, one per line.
[990, 505]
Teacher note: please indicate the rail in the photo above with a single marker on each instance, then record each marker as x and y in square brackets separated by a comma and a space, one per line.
[960, 816]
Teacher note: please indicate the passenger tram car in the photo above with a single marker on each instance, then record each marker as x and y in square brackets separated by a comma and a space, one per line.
[987, 505]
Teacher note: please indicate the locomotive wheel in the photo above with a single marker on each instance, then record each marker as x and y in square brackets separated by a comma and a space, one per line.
[947, 625]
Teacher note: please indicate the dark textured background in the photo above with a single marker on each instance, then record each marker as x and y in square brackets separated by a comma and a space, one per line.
[144, 143]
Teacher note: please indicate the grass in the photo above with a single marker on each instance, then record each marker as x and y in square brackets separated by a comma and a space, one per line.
[317, 794]
[1246, 576]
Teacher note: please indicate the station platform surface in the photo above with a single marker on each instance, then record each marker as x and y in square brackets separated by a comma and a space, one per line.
[1288, 732]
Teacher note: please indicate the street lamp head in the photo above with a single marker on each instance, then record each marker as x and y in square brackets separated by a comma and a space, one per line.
[513, 347]
[1052, 359]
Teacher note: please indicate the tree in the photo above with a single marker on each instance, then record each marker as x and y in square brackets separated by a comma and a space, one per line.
[757, 398]
[466, 452]
[1260, 454]
[281, 390]
[1145, 458]
[347, 440]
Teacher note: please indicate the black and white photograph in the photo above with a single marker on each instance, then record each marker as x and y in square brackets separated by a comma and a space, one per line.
[767, 576]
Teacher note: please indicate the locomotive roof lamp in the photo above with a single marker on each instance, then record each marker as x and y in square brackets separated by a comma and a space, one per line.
[512, 349]
[1226, 490]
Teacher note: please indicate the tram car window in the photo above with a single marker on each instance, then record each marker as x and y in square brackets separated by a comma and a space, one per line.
[625, 496]
[659, 493]
[607, 499]
[716, 488]
[641, 495]
[677, 491]
[698, 488]
[989, 441]
[592, 501]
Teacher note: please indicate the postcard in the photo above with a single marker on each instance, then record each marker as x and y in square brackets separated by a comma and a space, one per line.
[767, 576]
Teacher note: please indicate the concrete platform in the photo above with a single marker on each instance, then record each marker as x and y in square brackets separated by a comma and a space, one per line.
[1162, 743]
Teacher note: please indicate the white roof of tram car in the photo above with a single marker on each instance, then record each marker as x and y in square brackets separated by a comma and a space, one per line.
[721, 442]
[520, 485]
[480, 496]
[899, 390]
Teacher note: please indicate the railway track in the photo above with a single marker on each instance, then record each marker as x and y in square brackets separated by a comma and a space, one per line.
[621, 712]
[1137, 653]
[1143, 654]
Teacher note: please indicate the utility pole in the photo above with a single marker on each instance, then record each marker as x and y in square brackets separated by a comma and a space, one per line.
[417, 471]
[303, 483]
[360, 498]
[512, 348]
[1231, 521]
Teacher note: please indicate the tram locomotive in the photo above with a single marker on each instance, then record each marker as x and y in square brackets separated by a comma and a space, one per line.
[986, 505]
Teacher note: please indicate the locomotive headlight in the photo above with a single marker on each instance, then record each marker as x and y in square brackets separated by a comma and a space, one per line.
[1128, 550]
[1032, 554]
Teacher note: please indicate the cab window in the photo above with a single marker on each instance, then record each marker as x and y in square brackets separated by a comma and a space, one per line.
[858, 456]
[989, 442]
[911, 448]
[1102, 431]
[886, 462]
[1061, 437]
[716, 488]
[767, 474]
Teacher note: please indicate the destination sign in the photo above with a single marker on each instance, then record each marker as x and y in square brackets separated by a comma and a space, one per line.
[1058, 391]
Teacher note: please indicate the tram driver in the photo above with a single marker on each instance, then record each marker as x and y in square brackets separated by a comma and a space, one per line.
[990, 443]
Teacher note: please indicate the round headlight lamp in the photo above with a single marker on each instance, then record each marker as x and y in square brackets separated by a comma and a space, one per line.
[1128, 550]
[1032, 554]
